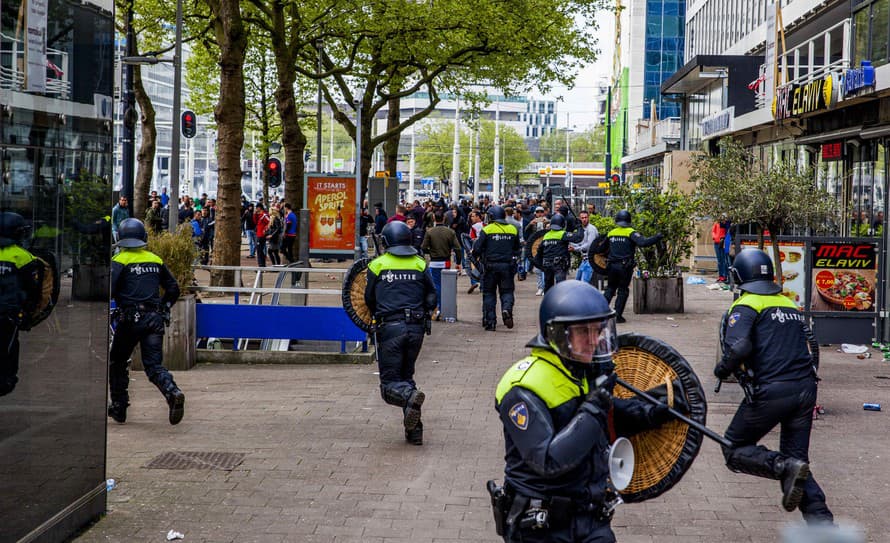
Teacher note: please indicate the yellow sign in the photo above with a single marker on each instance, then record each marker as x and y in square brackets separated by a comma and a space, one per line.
[381, 173]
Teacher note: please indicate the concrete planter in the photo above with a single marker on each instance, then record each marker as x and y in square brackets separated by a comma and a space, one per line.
[658, 295]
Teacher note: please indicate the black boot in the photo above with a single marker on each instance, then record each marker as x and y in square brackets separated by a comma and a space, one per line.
[412, 409]
[176, 401]
[508, 318]
[415, 436]
[794, 475]
[118, 412]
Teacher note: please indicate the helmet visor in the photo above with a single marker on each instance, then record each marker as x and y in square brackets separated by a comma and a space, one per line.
[585, 342]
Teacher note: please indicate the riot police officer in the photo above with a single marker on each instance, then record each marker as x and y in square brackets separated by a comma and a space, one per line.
[141, 315]
[553, 254]
[498, 248]
[557, 409]
[400, 294]
[621, 243]
[765, 345]
[20, 284]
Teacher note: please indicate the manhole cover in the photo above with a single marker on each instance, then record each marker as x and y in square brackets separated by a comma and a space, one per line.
[196, 460]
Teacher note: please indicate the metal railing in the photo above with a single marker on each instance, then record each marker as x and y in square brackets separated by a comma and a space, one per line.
[665, 130]
[13, 67]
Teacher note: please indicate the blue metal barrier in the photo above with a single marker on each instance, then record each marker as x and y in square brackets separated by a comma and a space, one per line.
[277, 322]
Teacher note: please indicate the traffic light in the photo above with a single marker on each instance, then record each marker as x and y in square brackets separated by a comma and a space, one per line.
[189, 123]
[615, 180]
[273, 172]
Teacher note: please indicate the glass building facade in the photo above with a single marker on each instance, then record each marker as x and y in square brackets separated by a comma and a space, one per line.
[665, 43]
[56, 89]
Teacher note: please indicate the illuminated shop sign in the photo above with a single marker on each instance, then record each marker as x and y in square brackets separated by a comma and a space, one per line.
[856, 79]
[795, 100]
[832, 151]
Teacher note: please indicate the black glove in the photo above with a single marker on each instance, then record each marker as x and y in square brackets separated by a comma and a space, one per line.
[600, 394]
[722, 371]
[660, 394]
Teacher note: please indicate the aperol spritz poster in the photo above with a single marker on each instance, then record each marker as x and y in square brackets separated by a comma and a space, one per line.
[331, 204]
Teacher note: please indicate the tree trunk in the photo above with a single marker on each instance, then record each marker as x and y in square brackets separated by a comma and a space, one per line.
[145, 158]
[391, 146]
[292, 137]
[229, 114]
[774, 241]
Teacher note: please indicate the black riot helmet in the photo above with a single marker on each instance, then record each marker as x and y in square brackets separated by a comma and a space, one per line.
[576, 322]
[13, 228]
[132, 234]
[622, 218]
[557, 222]
[752, 270]
[397, 239]
[497, 214]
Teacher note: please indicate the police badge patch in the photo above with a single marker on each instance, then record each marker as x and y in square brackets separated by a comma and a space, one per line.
[734, 318]
[519, 415]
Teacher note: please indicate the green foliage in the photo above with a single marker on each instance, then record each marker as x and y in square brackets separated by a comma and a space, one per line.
[177, 251]
[669, 212]
[603, 223]
[87, 200]
[774, 196]
[588, 146]
[433, 152]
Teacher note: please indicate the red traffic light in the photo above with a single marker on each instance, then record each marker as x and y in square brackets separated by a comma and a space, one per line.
[273, 172]
[189, 124]
[273, 166]
[616, 178]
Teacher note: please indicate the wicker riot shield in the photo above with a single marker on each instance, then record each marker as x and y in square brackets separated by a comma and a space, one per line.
[662, 455]
[49, 292]
[476, 269]
[353, 294]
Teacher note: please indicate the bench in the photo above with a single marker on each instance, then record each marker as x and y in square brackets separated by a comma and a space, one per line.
[278, 322]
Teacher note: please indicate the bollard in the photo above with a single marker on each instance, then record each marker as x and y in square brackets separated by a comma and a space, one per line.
[448, 308]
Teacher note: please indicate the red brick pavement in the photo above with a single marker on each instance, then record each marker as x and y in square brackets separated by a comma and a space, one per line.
[326, 462]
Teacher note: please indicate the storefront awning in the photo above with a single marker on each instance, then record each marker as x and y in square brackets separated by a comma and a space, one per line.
[827, 136]
[704, 69]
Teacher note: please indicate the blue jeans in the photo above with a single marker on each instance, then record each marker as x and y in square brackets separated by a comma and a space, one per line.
[540, 278]
[251, 242]
[436, 274]
[363, 245]
[722, 260]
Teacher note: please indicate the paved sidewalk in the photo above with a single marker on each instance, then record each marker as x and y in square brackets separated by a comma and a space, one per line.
[325, 459]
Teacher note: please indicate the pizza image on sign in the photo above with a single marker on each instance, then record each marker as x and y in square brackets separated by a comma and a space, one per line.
[847, 290]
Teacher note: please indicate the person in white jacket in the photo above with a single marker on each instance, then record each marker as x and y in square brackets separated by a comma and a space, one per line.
[585, 271]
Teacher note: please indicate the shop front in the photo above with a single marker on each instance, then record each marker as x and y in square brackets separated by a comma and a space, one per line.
[56, 89]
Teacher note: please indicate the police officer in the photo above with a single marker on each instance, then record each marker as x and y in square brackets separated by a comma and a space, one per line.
[553, 254]
[498, 248]
[557, 410]
[765, 345]
[621, 243]
[400, 294]
[136, 275]
[20, 285]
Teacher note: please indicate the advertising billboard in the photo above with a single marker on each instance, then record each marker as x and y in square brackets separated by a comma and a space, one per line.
[331, 201]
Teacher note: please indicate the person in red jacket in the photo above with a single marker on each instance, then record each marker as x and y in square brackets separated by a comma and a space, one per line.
[262, 220]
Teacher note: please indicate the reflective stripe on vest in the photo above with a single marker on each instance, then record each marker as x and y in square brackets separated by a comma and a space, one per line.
[759, 302]
[136, 256]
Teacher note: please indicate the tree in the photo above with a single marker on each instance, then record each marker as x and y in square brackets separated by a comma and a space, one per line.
[587, 146]
[386, 50]
[669, 212]
[231, 37]
[774, 196]
[434, 151]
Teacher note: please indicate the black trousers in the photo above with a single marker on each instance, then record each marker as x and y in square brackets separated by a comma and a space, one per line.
[553, 276]
[398, 345]
[9, 355]
[579, 529]
[498, 276]
[619, 277]
[261, 252]
[789, 405]
[287, 247]
[148, 333]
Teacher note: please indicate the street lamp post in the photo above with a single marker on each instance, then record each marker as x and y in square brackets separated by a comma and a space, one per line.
[173, 220]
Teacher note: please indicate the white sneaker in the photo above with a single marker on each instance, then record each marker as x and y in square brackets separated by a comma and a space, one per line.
[540, 292]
